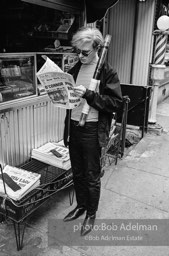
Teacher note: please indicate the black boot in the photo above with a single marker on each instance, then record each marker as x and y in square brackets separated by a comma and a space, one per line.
[74, 214]
[88, 224]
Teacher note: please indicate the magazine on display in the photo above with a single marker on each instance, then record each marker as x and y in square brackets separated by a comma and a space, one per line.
[18, 182]
[59, 85]
[55, 154]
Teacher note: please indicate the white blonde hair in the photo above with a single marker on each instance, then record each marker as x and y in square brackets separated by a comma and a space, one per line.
[87, 34]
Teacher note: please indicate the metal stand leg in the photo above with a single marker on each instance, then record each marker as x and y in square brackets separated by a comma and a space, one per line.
[19, 235]
[71, 196]
[126, 101]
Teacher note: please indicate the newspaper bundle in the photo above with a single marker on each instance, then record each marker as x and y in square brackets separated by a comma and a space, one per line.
[46, 154]
[58, 85]
[27, 181]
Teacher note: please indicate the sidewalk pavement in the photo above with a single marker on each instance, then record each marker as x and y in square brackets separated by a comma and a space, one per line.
[136, 188]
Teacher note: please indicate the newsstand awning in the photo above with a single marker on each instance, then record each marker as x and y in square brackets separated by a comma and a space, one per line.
[95, 9]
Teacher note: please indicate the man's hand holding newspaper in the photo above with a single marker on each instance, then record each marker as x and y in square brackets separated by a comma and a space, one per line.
[58, 85]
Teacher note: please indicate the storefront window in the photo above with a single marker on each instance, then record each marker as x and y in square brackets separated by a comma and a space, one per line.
[31, 30]
[17, 77]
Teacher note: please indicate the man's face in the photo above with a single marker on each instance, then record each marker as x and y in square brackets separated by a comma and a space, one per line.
[86, 53]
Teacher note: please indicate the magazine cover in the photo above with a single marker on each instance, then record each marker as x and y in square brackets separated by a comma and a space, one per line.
[59, 85]
[18, 182]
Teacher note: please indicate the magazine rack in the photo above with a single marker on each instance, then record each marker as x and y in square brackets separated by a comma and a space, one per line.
[52, 180]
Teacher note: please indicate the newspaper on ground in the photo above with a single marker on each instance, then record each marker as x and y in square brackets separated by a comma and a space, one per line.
[24, 181]
[59, 85]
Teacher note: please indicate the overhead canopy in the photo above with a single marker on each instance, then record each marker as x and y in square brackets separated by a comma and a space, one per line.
[72, 6]
[96, 9]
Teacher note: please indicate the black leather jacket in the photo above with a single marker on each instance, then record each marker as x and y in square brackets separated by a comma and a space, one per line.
[107, 101]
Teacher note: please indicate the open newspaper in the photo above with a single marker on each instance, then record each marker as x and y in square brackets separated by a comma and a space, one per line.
[18, 182]
[58, 85]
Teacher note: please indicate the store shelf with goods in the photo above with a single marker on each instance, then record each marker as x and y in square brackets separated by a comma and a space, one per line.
[17, 76]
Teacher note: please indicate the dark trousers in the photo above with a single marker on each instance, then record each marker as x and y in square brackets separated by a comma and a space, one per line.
[85, 160]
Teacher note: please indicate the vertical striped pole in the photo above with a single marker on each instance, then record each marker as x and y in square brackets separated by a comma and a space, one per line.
[157, 72]
[160, 49]
[158, 67]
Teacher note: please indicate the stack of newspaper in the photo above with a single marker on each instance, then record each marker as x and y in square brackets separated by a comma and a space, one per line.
[55, 154]
[16, 182]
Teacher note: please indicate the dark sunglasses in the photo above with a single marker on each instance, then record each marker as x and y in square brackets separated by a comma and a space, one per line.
[84, 53]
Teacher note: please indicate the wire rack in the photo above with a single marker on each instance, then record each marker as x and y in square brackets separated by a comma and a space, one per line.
[52, 180]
